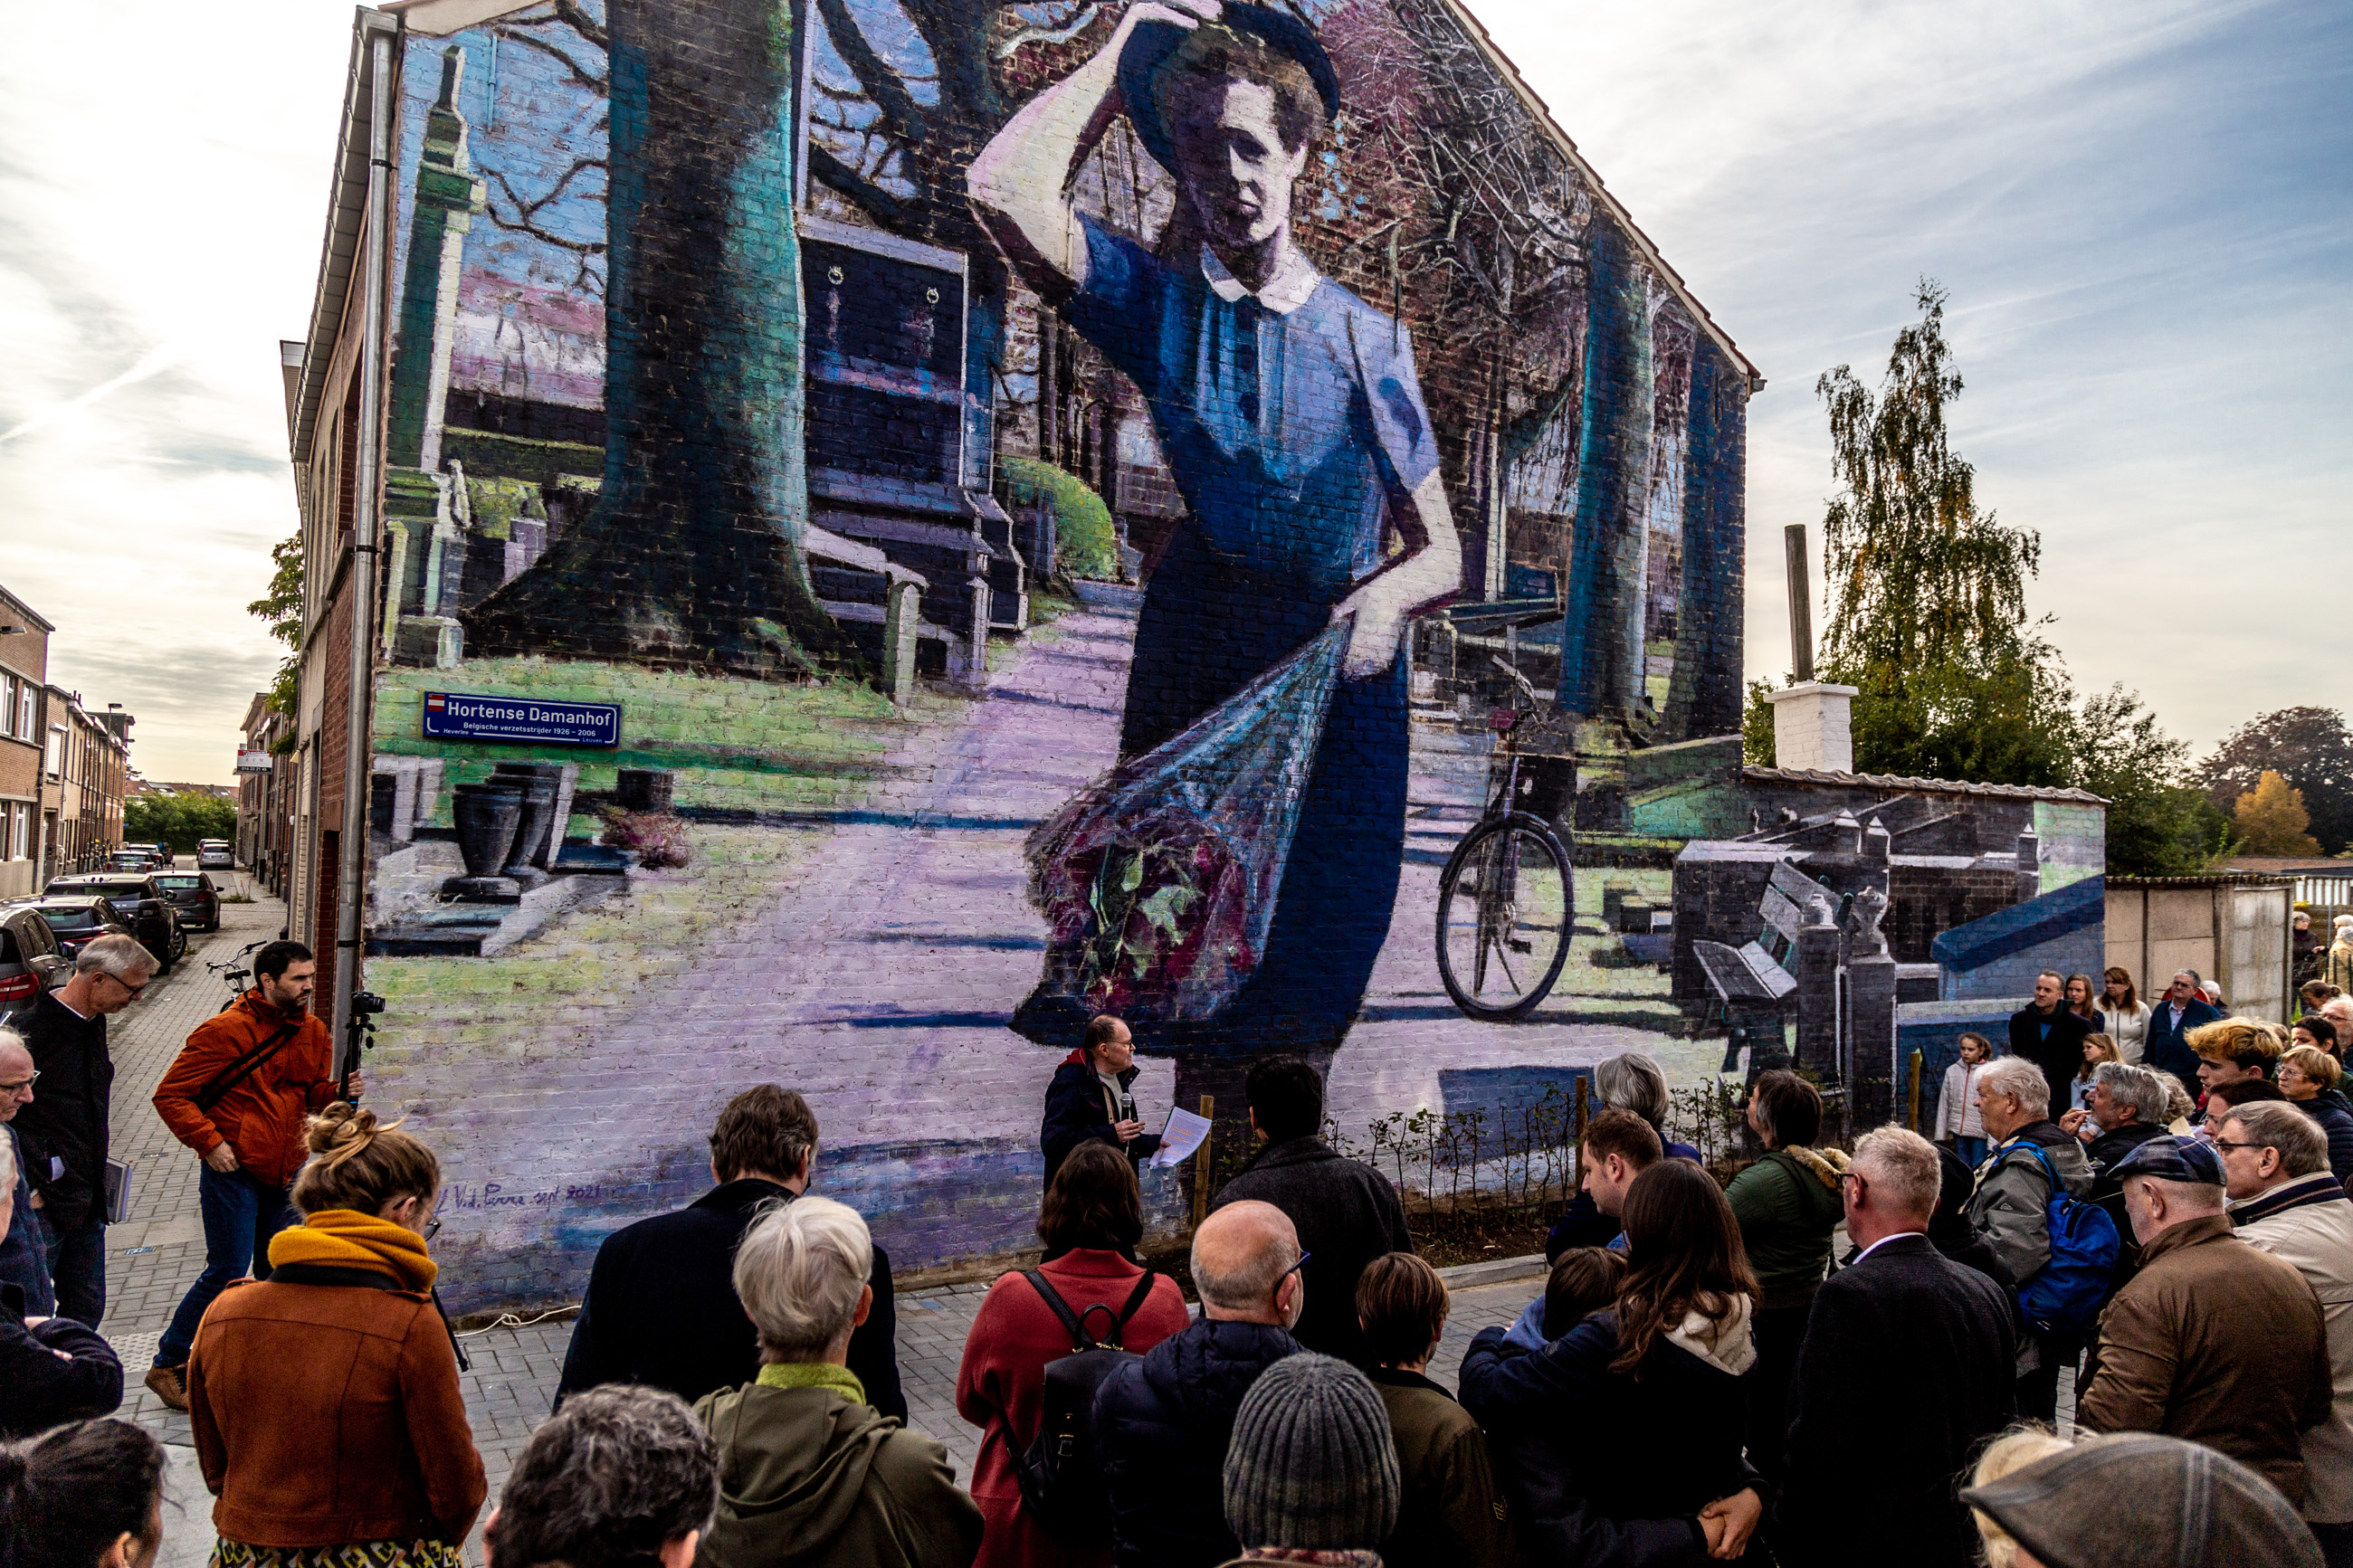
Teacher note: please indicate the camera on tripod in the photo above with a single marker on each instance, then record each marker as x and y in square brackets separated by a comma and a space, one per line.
[364, 1002]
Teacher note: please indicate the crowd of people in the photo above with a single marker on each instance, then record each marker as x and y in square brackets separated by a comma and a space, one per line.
[1837, 1356]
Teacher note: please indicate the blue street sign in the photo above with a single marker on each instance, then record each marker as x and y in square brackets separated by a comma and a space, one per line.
[458, 716]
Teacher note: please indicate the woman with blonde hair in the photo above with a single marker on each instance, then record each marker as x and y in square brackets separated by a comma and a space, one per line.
[2309, 1077]
[2123, 1016]
[325, 1399]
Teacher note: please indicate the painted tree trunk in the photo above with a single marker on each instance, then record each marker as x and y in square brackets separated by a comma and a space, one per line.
[692, 554]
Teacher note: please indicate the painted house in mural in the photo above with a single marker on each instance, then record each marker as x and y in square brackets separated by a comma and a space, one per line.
[769, 539]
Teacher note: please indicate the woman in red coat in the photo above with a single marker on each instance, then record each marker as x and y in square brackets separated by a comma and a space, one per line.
[1091, 1222]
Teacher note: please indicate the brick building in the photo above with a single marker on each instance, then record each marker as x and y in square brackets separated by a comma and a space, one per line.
[89, 765]
[25, 804]
[264, 795]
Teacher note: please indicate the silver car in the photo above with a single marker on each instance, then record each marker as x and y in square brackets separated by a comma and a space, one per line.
[215, 854]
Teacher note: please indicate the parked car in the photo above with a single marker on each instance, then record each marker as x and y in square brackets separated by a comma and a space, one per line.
[193, 897]
[73, 918]
[159, 853]
[130, 860]
[215, 854]
[140, 902]
[32, 960]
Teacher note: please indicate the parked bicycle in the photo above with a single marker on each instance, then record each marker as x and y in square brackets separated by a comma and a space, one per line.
[1506, 900]
[238, 970]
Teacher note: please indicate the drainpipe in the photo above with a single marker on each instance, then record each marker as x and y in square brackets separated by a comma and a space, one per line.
[351, 874]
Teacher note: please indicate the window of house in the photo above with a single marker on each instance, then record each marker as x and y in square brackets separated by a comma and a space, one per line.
[54, 761]
[26, 709]
[7, 704]
[20, 835]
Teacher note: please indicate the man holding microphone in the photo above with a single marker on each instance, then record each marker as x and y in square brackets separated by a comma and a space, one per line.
[1091, 1096]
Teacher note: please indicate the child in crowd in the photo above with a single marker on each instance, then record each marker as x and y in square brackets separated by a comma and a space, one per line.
[2097, 1048]
[1584, 1280]
[1958, 1124]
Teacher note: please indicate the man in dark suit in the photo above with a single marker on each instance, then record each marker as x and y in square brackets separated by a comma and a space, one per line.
[2182, 1010]
[660, 1307]
[1902, 1329]
[2049, 1033]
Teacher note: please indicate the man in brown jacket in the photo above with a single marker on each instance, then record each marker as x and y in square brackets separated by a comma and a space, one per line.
[238, 1094]
[2213, 1340]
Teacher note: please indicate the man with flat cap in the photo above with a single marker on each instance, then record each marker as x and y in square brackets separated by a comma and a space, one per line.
[2214, 1341]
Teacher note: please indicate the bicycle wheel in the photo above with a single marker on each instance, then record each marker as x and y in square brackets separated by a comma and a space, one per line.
[1504, 915]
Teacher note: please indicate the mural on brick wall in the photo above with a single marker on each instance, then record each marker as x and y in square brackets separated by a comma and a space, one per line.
[854, 611]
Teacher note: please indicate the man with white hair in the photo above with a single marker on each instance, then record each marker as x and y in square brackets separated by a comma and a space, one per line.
[812, 1473]
[2010, 1209]
[62, 1131]
[1163, 1420]
[24, 1260]
[2214, 1341]
[1859, 1487]
[2285, 1201]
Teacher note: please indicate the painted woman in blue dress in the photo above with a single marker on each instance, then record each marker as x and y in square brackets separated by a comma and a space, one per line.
[1291, 415]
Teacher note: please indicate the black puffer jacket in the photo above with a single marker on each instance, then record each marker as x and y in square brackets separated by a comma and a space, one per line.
[1346, 1215]
[1606, 1468]
[1161, 1422]
[2335, 1114]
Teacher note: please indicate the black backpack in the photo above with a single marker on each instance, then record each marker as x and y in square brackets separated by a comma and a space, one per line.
[1061, 1483]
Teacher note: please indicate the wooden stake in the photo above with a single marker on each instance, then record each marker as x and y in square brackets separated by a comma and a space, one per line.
[1201, 1162]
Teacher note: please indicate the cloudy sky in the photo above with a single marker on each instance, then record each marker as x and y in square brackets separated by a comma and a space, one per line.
[2140, 208]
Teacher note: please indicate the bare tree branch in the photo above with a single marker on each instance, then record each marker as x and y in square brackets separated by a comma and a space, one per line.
[598, 85]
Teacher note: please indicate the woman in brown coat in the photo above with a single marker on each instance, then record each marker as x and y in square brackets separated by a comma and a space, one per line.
[325, 1399]
[1091, 1222]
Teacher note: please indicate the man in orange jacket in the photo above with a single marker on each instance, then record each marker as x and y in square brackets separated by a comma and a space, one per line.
[238, 1095]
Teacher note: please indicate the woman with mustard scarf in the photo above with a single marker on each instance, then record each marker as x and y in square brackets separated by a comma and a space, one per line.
[325, 1398]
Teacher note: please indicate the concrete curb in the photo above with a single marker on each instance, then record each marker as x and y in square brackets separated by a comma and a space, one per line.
[1493, 1271]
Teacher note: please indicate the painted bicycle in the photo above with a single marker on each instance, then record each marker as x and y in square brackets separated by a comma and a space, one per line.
[1504, 902]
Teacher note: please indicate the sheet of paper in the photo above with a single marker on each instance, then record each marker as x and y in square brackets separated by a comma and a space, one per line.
[1180, 1138]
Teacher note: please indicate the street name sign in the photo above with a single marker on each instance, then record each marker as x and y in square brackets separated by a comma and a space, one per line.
[460, 716]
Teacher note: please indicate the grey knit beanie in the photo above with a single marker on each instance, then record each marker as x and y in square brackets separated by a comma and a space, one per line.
[1312, 1466]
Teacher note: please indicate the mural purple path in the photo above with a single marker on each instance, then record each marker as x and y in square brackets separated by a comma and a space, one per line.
[879, 979]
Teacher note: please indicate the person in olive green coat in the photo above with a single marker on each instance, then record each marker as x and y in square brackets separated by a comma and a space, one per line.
[1451, 1512]
[811, 1476]
[1787, 1204]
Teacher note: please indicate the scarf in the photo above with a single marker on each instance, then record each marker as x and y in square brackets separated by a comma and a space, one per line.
[812, 1374]
[346, 1239]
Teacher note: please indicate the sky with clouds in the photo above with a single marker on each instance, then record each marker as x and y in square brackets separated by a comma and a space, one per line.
[2140, 208]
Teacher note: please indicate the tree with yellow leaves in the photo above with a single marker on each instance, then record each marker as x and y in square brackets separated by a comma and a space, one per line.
[2272, 819]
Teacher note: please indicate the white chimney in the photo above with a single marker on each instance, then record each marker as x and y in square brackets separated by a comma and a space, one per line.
[1813, 727]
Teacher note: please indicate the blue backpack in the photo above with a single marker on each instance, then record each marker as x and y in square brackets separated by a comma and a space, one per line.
[2067, 1292]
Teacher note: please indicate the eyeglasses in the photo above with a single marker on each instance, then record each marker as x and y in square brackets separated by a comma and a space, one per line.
[432, 1228]
[2218, 1143]
[128, 989]
[1295, 1268]
[22, 1086]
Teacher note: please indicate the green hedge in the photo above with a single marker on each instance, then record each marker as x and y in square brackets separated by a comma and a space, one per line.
[1085, 544]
